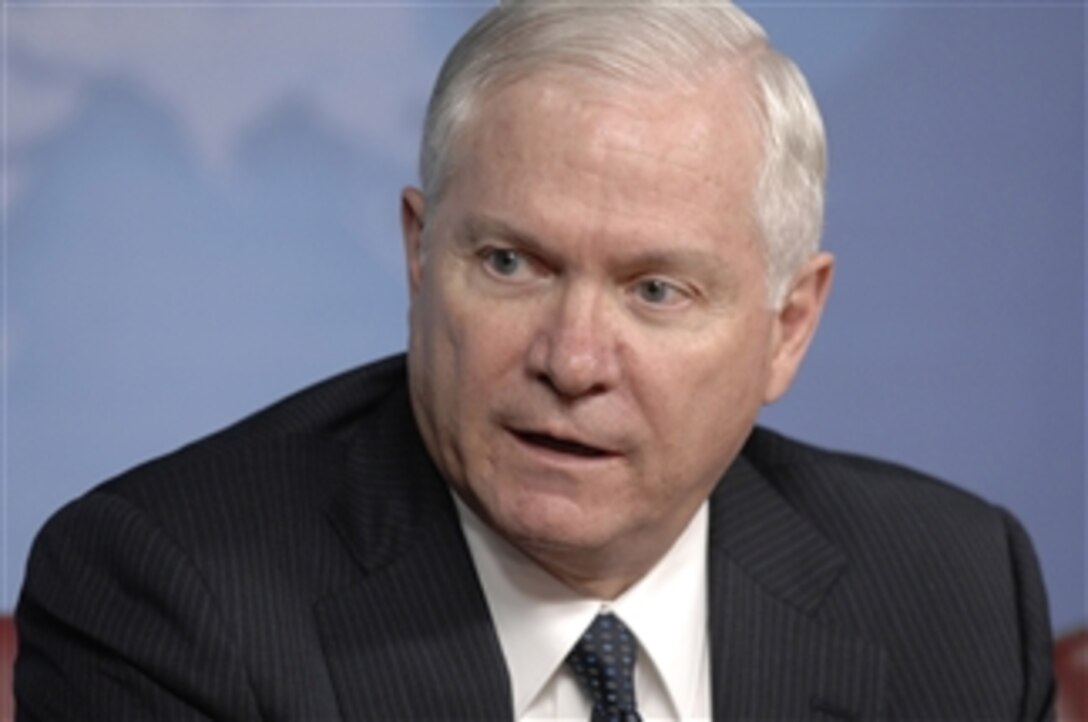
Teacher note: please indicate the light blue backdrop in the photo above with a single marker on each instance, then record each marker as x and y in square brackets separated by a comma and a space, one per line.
[201, 204]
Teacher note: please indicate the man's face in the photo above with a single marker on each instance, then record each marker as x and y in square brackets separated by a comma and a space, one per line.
[590, 335]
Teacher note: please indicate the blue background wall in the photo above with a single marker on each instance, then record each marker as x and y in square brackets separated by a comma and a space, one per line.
[201, 216]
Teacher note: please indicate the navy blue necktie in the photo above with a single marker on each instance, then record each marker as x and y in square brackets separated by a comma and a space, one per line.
[603, 660]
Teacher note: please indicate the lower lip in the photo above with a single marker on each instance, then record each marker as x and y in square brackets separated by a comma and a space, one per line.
[557, 456]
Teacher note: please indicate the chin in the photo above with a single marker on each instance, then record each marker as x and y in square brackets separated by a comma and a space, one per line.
[554, 524]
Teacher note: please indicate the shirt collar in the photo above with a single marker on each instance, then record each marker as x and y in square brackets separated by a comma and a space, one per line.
[538, 619]
[667, 611]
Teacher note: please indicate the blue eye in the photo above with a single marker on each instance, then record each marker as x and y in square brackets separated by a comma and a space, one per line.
[503, 261]
[657, 292]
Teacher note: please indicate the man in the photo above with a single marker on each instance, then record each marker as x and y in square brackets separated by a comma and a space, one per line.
[557, 506]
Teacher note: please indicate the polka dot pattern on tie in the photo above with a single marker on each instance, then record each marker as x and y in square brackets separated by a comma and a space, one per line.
[603, 660]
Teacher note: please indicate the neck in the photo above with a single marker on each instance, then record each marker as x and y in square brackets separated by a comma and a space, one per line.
[605, 584]
[603, 573]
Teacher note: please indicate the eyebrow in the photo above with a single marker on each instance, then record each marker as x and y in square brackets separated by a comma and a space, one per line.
[678, 258]
[478, 226]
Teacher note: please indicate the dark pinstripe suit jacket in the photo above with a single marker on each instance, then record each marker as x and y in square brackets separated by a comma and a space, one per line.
[307, 564]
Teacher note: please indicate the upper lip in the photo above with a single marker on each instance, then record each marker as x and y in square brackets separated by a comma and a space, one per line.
[564, 438]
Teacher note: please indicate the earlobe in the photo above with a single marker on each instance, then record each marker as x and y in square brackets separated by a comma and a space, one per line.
[412, 215]
[796, 323]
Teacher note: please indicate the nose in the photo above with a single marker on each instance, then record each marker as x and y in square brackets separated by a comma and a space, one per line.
[574, 350]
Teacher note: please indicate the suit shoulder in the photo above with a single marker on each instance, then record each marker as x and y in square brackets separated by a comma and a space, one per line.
[944, 581]
[328, 408]
[798, 468]
[874, 506]
[252, 495]
[290, 451]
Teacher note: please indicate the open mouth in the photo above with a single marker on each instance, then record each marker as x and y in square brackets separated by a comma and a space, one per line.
[563, 446]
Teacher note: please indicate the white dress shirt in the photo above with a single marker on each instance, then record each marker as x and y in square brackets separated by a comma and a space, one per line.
[538, 620]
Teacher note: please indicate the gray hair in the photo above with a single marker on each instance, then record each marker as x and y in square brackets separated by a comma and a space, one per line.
[678, 42]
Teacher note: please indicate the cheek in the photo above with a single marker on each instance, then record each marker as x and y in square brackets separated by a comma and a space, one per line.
[701, 399]
[437, 351]
[472, 349]
[490, 337]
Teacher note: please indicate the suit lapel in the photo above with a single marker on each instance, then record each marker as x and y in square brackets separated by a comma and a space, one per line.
[411, 637]
[770, 571]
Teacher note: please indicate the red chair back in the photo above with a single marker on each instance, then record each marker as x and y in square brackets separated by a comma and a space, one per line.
[1071, 668]
[7, 662]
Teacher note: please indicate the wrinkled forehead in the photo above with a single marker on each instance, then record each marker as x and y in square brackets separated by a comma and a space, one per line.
[641, 162]
[718, 115]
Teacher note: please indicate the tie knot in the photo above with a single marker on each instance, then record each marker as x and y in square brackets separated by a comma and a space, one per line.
[603, 660]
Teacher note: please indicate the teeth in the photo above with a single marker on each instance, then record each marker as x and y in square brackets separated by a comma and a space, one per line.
[567, 447]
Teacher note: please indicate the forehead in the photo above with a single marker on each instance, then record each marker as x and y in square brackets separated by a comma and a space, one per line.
[715, 114]
[647, 154]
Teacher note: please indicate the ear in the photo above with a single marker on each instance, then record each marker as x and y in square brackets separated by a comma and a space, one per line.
[413, 210]
[796, 321]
